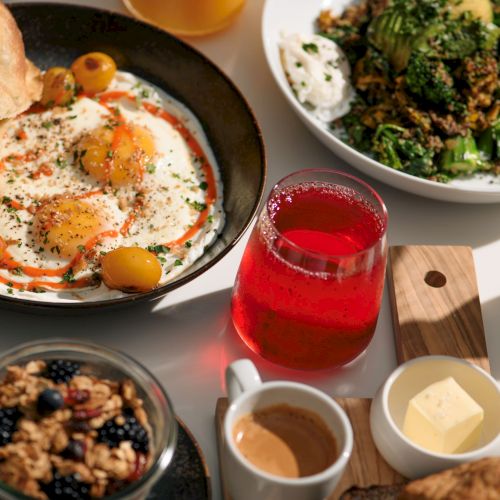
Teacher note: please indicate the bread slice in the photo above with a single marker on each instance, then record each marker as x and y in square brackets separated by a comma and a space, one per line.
[472, 481]
[20, 80]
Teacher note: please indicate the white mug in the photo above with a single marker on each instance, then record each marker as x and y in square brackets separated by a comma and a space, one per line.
[246, 394]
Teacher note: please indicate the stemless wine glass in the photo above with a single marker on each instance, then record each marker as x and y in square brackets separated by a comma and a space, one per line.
[308, 290]
[186, 17]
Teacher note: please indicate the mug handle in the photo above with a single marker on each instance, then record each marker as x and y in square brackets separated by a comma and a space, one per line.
[241, 376]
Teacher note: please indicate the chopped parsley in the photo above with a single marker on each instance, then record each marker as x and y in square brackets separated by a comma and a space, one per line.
[196, 205]
[204, 185]
[151, 168]
[81, 248]
[310, 48]
[298, 64]
[61, 163]
[158, 249]
[68, 276]
[328, 77]
[188, 244]
[178, 262]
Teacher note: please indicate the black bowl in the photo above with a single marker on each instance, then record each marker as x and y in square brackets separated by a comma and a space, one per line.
[55, 34]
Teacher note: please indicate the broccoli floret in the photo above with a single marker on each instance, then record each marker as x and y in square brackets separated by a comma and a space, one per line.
[358, 133]
[460, 37]
[397, 149]
[431, 80]
[461, 156]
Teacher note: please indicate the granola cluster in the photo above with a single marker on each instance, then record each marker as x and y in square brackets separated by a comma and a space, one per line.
[65, 434]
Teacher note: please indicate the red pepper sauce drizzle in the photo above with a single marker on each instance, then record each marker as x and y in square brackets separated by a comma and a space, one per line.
[6, 260]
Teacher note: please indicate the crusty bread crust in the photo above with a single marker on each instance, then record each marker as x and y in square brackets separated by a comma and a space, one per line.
[20, 80]
[472, 481]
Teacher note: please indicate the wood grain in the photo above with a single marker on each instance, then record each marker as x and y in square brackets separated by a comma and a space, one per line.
[220, 412]
[435, 319]
[366, 467]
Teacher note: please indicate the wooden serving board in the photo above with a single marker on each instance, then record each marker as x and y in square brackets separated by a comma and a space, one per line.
[436, 310]
[435, 303]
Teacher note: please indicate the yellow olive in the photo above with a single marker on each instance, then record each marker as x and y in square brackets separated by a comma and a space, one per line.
[94, 71]
[117, 155]
[58, 87]
[62, 226]
[131, 269]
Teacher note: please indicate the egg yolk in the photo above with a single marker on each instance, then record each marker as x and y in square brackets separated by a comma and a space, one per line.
[131, 269]
[117, 155]
[63, 226]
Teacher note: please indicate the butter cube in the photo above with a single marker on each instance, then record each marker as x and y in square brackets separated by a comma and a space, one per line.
[444, 418]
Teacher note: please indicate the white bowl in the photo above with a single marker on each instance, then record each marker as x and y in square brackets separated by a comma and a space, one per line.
[298, 16]
[389, 407]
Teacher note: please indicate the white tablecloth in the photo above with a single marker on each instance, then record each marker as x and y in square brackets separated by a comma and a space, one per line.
[187, 339]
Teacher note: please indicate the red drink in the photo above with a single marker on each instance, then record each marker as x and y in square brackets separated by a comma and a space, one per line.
[310, 282]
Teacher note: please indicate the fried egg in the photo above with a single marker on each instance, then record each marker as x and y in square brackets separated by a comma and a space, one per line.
[129, 167]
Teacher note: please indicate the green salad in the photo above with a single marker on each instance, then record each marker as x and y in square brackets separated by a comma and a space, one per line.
[426, 75]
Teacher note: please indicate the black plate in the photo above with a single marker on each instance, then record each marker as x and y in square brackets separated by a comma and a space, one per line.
[55, 34]
[187, 477]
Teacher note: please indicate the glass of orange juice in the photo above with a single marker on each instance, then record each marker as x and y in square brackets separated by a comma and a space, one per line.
[186, 17]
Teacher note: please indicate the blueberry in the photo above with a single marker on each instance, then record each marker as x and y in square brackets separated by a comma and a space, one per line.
[49, 401]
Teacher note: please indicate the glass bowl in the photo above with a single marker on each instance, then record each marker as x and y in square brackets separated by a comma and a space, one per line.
[109, 364]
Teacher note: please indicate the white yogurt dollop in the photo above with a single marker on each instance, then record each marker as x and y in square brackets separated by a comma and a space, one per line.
[319, 73]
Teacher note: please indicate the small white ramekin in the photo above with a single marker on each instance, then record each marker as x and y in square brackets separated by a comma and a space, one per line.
[391, 401]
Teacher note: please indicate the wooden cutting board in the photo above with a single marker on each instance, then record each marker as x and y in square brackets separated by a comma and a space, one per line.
[436, 310]
[435, 303]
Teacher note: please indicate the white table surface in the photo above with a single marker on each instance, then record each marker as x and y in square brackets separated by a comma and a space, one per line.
[188, 339]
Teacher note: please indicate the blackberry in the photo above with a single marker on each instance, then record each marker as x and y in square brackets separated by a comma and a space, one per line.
[112, 434]
[8, 424]
[66, 488]
[60, 370]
